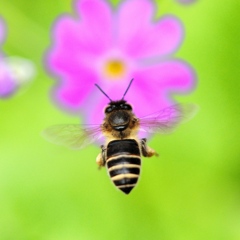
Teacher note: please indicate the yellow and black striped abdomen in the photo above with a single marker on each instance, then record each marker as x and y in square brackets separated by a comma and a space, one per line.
[123, 162]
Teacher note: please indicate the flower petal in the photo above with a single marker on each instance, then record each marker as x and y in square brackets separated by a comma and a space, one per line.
[82, 40]
[65, 54]
[140, 37]
[170, 76]
[15, 74]
[7, 84]
[76, 46]
[96, 16]
[7, 87]
[74, 89]
[20, 69]
[75, 40]
[132, 17]
[163, 38]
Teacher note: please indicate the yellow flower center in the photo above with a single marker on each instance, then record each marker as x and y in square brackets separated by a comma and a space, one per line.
[115, 69]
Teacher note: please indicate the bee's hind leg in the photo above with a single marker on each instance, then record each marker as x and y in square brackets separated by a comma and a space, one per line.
[147, 151]
[100, 160]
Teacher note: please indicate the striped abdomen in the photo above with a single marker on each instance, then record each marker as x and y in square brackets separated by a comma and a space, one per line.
[123, 162]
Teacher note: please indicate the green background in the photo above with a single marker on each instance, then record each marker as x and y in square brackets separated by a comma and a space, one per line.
[191, 192]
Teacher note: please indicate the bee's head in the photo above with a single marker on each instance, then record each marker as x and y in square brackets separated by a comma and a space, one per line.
[118, 113]
[117, 105]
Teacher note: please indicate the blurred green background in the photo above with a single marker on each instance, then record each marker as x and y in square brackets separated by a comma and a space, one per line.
[191, 192]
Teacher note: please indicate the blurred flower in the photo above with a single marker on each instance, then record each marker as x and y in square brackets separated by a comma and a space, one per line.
[15, 72]
[110, 47]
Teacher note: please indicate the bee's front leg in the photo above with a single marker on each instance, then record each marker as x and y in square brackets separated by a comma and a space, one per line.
[147, 151]
[101, 158]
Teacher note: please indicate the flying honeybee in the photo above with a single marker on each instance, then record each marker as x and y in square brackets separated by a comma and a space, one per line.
[122, 151]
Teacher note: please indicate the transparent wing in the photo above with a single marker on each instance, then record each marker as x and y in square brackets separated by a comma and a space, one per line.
[167, 119]
[74, 136]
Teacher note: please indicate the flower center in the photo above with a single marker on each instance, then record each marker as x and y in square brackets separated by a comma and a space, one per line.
[115, 69]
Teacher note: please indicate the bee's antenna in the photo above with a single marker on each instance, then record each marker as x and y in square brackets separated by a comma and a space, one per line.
[103, 92]
[127, 88]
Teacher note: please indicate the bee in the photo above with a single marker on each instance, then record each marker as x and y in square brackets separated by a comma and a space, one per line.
[123, 149]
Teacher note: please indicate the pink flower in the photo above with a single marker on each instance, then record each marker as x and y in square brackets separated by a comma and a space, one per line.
[110, 47]
[15, 72]
[7, 84]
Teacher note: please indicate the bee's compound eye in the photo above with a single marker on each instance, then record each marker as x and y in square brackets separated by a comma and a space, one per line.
[108, 110]
[126, 107]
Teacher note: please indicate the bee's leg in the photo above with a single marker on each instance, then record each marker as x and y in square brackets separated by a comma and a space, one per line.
[147, 151]
[101, 159]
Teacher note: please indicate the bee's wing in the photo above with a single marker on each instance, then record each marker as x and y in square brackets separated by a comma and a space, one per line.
[167, 119]
[74, 136]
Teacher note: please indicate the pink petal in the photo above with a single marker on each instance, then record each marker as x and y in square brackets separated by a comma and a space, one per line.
[76, 39]
[81, 40]
[132, 16]
[74, 89]
[141, 37]
[96, 17]
[147, 98]
[66, 54]
[163, 38]
[7, 85]
[76, 46]
[169, 76]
